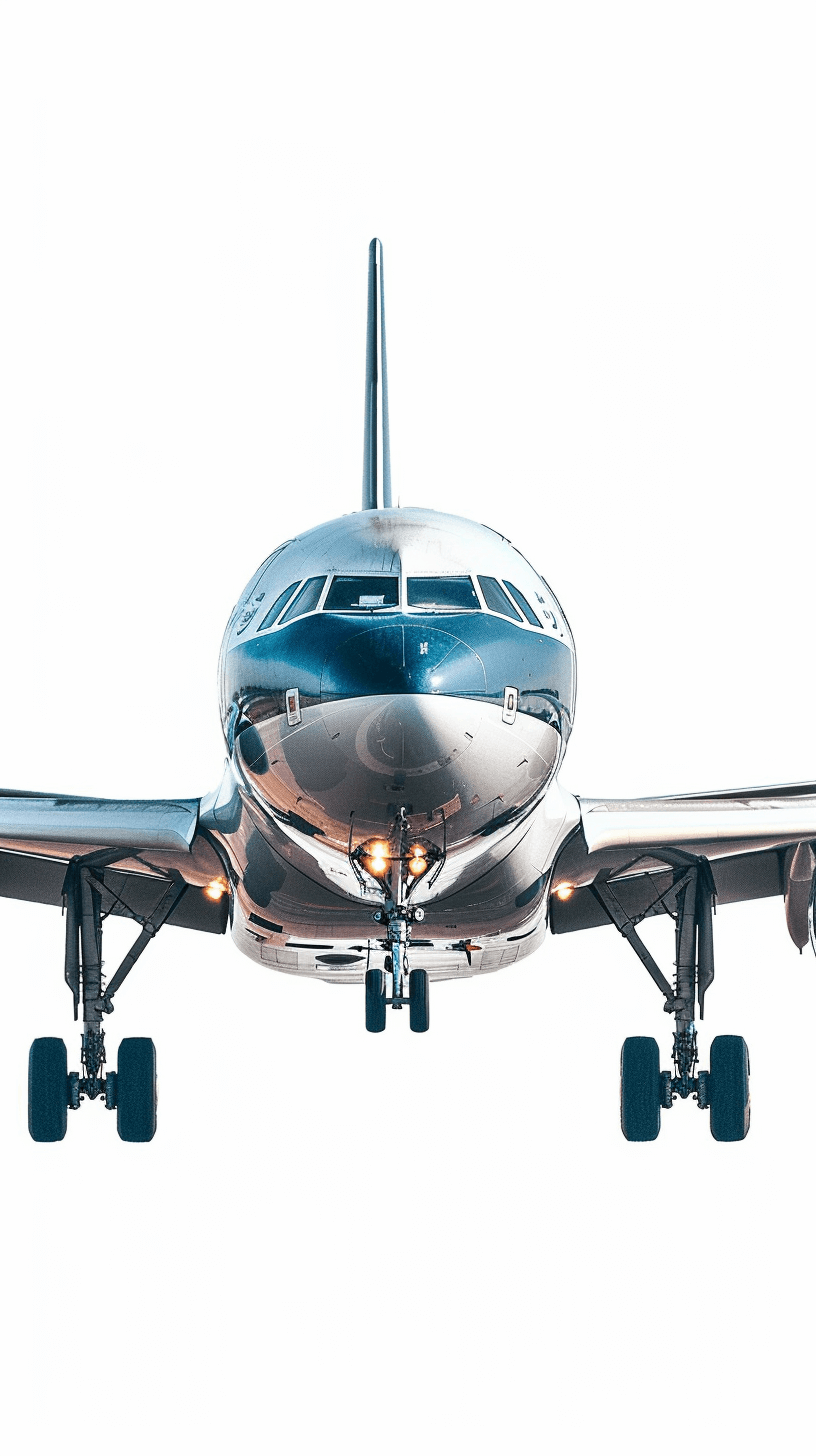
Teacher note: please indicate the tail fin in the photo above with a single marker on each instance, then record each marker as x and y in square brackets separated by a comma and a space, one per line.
[377, 449]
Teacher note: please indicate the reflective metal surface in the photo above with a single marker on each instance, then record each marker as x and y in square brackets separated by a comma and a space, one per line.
[130, 823]
[343, 772]
[696, 822]
[298, 907]
[336, 720]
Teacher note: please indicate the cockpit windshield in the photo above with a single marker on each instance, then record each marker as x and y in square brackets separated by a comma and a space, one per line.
[278, 605]
[521, 601]
[306, 599]
[495, 598]
[362, 593]
[443, 593]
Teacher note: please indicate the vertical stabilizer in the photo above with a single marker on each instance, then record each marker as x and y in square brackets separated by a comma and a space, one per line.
[376, 450]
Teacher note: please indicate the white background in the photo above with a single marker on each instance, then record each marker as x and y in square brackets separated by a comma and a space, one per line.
[599, 234]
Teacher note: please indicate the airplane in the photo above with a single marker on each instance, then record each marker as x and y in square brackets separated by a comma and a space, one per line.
[397, 691]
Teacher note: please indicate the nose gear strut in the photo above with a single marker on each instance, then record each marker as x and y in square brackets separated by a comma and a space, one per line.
[397, 869]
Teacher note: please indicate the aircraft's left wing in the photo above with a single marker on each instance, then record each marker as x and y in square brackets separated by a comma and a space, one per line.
[135, 845]
[756, 842]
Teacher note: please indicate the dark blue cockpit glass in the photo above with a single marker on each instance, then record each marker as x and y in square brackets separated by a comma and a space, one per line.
[523, 603]
[277, 606]
[443, 593]
[362, 593]
[496, 599]
[306, 599]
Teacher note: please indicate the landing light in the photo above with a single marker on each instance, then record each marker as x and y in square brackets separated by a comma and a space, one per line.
[375, 857]
[563, 892]
[216, 889]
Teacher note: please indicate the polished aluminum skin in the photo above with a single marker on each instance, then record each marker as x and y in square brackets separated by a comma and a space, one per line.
[336, 720]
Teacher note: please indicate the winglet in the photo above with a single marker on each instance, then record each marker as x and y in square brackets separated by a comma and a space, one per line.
[376, 450]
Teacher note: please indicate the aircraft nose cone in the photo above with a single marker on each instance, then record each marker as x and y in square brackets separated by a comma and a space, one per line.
[401, 658]
[410, 738]
[354, 761]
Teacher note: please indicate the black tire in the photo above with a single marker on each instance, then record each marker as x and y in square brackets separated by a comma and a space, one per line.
[418, 1009]
[48, 1089]
[640, 1089]
[728, 1092]
[136, 1090]
[375, 1000]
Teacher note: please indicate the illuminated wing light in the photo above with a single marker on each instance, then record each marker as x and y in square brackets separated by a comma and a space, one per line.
[563, 892]
[216, 889]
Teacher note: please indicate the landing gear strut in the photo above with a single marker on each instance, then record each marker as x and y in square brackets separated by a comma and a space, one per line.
[645, 1090]
[408, 987]
[53, 1091]
[397, 865]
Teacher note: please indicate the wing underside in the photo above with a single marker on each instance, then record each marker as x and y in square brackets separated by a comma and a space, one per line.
[757, 843]
[137, 847]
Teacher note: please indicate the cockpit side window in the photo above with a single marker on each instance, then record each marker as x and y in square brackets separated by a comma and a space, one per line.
[362, 593]
[443, 593]
[523, 603]
[495, 598]
[277, 606]
[306, 599]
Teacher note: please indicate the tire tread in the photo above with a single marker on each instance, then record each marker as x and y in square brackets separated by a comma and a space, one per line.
[728, 1092]
[136, 1090]
[640, 1089]
[48, 1089]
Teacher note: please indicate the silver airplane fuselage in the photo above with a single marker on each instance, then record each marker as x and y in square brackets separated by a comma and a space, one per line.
[395, 666]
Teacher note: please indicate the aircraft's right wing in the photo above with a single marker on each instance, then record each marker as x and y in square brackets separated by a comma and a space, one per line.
[136, 846]
[757, 842]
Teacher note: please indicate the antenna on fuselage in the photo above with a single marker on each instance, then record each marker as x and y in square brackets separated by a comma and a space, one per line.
[376, 448]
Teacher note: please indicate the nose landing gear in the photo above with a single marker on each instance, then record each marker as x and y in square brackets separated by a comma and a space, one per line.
[645, 1090]
[395, 970]
[397, 866]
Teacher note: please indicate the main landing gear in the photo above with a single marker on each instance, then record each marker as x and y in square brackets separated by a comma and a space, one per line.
[646, 1090]
[53, 1091]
